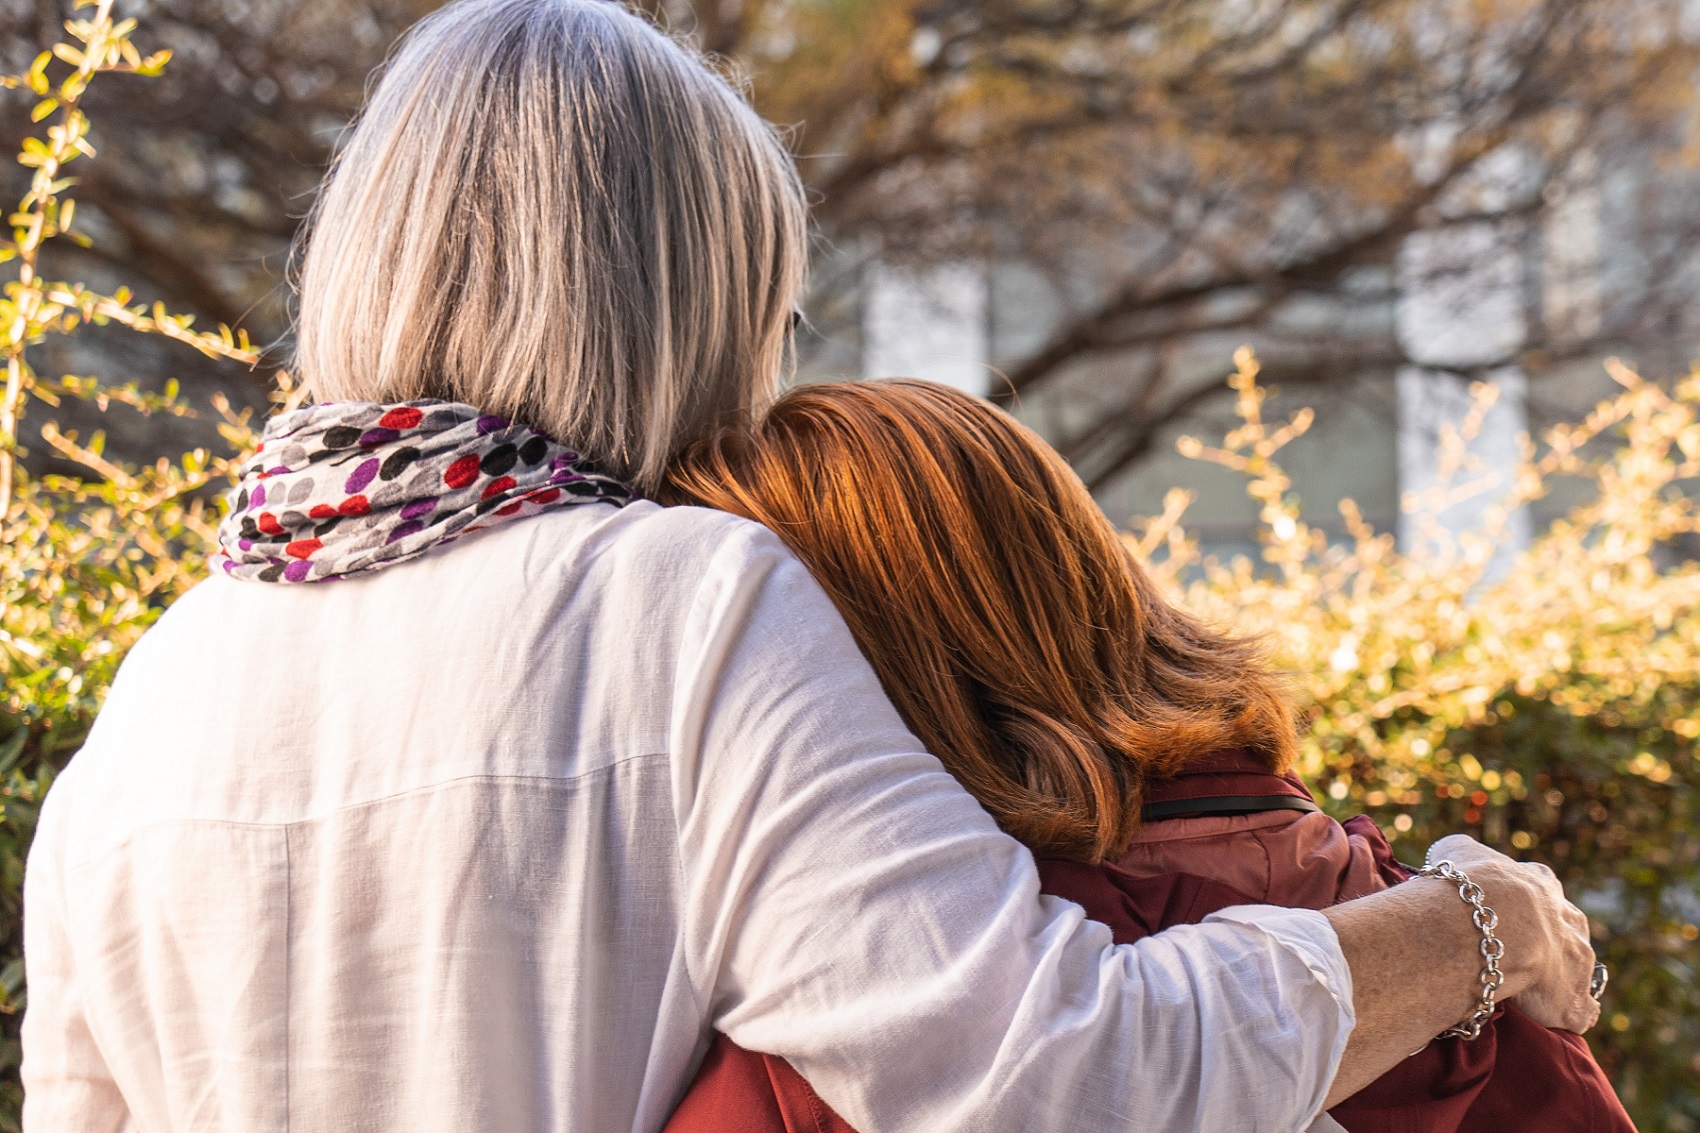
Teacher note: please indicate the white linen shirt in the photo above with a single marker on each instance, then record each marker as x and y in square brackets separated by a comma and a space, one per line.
[493, 840]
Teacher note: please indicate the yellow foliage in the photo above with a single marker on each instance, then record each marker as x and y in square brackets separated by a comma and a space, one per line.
[1552, 711]
[1392, 651]
[85, 565]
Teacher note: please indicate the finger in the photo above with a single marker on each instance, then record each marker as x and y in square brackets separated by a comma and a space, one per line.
[1571, 1011]
[1576, 1016]
[1581, 1015]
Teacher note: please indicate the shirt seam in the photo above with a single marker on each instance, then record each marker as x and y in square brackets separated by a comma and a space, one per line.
[286, 826]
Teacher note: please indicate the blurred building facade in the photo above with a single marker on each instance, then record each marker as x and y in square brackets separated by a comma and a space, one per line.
[1463, 301]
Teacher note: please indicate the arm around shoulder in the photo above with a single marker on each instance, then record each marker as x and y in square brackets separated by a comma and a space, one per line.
[851, 908]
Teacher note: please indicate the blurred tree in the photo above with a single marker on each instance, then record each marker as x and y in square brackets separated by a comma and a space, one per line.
[1180, 167]
[206, 172]
[1171, 167]
[203, 178]
[1554, 713]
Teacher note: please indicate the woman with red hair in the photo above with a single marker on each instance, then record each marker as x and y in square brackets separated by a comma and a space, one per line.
[1145, 758]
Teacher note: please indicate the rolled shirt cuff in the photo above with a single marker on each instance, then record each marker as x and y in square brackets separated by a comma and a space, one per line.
[1308, 940]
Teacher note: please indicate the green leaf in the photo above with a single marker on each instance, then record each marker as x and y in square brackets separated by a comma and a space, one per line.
[12, 983]
[13, 749]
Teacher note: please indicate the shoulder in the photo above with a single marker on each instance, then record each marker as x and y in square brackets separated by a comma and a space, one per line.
[729, 573]
[54, 825]
[650, 557]
[648, 531]
[663, 550]
[653, 554]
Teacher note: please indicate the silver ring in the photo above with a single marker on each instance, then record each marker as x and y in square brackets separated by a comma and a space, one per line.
[1597, 985]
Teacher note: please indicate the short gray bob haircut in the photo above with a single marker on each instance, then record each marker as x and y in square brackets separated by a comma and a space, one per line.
[552, 211]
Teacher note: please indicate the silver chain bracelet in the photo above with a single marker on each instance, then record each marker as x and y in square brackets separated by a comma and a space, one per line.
[1492, 947]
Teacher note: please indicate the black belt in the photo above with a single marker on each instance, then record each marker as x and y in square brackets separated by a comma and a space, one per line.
[1223, 805]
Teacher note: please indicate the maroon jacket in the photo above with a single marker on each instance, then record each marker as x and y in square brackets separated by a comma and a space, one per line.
[1226, 832]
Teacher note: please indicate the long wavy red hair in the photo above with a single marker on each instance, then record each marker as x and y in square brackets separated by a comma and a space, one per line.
[1003, 613]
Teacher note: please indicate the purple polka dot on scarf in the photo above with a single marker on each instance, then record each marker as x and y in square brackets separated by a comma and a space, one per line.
[361, 476]
[565, 476]
[279, 470]
[259, 497]
[418, 508]
[245, 544]
[298, 571]
[412, 527]
[229, 566]
[489, 423]
[378, 437]
[564, 461]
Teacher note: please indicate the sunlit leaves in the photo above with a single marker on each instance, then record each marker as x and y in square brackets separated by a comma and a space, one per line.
[34, 308]
[86, 564]
[1553, 712]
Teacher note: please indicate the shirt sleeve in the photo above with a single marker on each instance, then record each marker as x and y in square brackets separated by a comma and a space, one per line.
[67, 1084]
[851, 908]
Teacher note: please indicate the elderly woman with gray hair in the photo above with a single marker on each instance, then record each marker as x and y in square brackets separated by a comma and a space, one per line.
[476, 792]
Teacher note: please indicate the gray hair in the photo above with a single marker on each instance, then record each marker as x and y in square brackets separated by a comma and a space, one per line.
[552, 211]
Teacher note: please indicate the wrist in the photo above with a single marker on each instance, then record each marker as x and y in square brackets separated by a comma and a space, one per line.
[1485, 919]
[1452, 945]
[1506, 892]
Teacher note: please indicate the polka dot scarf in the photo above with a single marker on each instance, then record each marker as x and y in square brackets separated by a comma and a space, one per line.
[346, 487]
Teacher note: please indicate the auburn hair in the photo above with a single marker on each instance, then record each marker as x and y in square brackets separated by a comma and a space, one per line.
[1003, 613]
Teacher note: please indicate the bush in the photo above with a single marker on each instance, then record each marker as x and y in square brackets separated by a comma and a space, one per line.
[1552, 714]
[85, 566]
